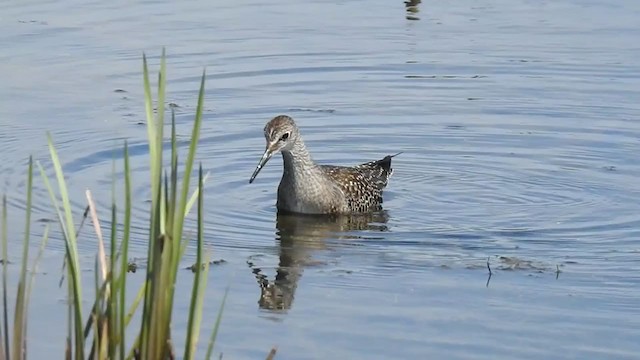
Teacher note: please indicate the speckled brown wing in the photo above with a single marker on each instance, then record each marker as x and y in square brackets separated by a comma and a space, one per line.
[362, 184]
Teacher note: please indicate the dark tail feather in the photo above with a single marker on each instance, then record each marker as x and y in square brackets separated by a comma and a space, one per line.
[385, 163]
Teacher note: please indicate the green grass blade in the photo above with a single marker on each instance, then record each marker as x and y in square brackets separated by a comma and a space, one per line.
[19, 319]
[66, 223]
[148, 105]
[135, 304]
[174, 172]
[97, 309]
[155, 166]
[182, 202]
[124, 257]
[214, 333]
[188, 167]
[197, 293]
[155, 150]
[43, 244]
[194, 195]
[155, 331]
[70, 234]
[160, 105]
[112, 292]
[69, 328]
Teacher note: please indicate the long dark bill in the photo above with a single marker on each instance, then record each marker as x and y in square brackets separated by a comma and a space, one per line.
[265, 157]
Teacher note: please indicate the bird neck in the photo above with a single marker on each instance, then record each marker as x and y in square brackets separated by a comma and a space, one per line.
[297, 161]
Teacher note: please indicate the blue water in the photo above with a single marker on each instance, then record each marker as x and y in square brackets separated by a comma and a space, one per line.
[519, 126]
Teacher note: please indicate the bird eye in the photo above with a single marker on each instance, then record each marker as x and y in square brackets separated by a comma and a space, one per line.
[284, 137]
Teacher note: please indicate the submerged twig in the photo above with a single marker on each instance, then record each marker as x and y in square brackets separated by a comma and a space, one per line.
[558, 271]
[272, 353]
[490, 272]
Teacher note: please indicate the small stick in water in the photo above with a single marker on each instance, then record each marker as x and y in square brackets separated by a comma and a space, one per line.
[490, 272]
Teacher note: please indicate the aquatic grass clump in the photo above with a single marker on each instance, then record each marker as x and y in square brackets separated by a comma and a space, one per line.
[101, 333]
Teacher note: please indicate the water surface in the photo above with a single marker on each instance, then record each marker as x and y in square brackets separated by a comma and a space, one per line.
[519, 126]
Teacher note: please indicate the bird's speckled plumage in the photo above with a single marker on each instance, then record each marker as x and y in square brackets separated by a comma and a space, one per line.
[309, 188]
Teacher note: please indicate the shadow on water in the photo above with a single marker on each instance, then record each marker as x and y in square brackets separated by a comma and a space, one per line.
[298, 236]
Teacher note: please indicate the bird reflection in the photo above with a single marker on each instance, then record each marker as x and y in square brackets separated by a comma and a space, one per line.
[412, 9]
[298, 236]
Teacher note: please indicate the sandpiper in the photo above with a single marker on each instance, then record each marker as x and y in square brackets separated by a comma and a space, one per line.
[309, 188]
